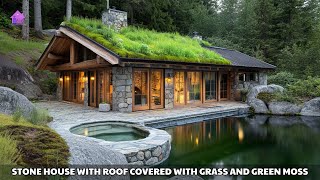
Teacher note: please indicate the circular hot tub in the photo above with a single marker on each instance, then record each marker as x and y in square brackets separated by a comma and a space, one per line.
[111, 131]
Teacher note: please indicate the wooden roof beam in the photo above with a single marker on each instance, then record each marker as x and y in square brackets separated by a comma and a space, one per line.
[77, 66]
[56, 57]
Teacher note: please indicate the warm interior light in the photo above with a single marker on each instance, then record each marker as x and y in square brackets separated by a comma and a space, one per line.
[92, 78]
[67, 78]
[197, 141]
[86, 132]
[240, 133]
[60, 79]
[168, 80]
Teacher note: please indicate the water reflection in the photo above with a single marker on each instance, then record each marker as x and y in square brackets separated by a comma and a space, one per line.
[261, 140]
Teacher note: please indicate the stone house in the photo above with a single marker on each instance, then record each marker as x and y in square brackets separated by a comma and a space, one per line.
[90, 74]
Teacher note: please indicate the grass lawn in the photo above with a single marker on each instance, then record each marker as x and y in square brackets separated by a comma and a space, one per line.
[10, 44]
[133, 42]
[31, 145]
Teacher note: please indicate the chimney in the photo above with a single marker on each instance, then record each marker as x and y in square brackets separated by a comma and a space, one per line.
[113, 17]
[195, 35]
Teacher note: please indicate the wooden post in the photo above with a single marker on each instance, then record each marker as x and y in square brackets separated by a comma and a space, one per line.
[218, 86]
[72, 53]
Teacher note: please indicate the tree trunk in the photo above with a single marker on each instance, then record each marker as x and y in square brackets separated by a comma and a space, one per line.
[69, 9]
[37, 16]
[25, 26]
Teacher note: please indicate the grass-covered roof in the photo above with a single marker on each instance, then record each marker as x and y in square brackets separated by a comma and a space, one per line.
[133, 42]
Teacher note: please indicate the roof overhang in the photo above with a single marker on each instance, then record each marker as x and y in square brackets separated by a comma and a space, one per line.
[67, 33]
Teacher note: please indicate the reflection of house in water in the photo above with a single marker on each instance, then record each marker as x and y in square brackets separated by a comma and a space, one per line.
[193, 136]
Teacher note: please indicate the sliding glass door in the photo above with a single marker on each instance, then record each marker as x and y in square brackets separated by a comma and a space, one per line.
[210, 86]
[104, 86]
[92, 89]
[224, 86]
[141, 89]
[148, 89]
[179, 88]
[193, 87]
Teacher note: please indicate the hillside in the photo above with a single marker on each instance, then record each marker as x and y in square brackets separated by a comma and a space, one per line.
[17, 58]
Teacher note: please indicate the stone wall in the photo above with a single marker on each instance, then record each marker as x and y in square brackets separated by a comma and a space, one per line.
[116, 18]
[122, 89]
[237, 86]
[169, 89]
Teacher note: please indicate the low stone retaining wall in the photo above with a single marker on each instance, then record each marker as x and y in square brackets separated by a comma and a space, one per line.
[150, 151]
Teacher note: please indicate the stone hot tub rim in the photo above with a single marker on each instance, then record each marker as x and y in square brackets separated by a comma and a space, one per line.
[152, 150]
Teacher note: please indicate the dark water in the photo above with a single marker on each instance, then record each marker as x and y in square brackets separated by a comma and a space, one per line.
[259, 141]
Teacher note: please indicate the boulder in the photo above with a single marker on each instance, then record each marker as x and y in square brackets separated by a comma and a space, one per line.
[11, 101]
[259, 106]
[311, 108]
[253, 93]
[284, 108]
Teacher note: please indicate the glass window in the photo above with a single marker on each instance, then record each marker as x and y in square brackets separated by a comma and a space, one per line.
[210, 85]
[193, 87]
[155, 87]
[224, 86]
[140, 88]
[253, 76]
[242, 77]
[179, 87]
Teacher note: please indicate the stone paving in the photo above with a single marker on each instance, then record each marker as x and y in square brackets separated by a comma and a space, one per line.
[85, 150]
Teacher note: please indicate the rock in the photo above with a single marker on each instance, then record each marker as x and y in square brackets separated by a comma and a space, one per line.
[123, 105]
[147, 154]
[152, 161]
[156, 152]
[133, 159]
[104, 107]
[284, 108]
[311, 108]
[259, 106]
[140, 155]
[253, 93]
[11, 101]
[138, 163]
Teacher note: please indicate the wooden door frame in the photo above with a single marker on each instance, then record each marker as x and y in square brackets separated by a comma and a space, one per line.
[106, 85]
[228, 85]
[146, 107]
[92, 90]
[204, 87]
[161, 90]
[184, 87]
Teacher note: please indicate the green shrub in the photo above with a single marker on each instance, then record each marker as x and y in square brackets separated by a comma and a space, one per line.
[282, 78]
[9, 153]
[17, 115]
[49, 84]
[243, 93]
[266, 97]
[4, 21]
[39, 117]
[309, 88]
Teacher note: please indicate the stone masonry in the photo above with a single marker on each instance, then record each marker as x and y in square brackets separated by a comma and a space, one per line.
[116, 18]
[169, 89]
[122, 89]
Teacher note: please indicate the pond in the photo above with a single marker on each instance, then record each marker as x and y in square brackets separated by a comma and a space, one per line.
[247, 141]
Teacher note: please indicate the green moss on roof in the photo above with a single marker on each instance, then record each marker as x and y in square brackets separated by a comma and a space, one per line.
[133, 42]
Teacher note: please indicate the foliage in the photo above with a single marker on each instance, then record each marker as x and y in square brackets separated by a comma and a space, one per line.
[37, 145]
[4, 20]
[17, 115]
[133, 42]
[9, 44]
[10, 154]
[39, 117]
[244, 92]
[282, 78]
[308, 88]
[48, 84]
[266, 97]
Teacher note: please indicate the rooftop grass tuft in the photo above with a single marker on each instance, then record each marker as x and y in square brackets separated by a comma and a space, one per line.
[134, 42]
